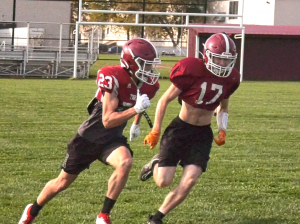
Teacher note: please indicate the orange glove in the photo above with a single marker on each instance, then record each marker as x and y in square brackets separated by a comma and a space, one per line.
[221, 138]
[152, 138]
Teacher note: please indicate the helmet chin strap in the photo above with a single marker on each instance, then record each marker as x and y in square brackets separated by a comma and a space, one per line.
[201, 54]
[138, 83]
[135, 80]
[202, 57]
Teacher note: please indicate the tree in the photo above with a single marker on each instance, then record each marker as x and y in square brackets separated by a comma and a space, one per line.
[114, 6]
[172, 33]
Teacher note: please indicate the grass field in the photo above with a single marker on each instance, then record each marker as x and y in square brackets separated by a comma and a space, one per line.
[252, 179]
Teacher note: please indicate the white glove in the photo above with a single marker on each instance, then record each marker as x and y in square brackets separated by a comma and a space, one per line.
[134, 131]
[142, 102]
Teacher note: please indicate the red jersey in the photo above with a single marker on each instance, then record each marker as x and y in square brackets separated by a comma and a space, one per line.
[200, 88]
[116, 80]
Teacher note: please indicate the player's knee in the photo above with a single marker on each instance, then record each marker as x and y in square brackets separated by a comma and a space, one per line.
[163, 183]
[125, 164]
[189, 183]
[61, 184]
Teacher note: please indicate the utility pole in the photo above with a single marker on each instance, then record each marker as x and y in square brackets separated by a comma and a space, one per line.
[143, 19]
[13, 28]
[205, 10]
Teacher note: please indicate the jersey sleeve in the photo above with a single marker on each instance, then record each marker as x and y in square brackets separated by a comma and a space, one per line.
[98, 94]
[235, 85]
[155, 91]
[180, 76]
[150, 90]
[233, 88]
[105, 81]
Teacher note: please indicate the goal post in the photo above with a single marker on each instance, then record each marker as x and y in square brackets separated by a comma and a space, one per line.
[138, 23]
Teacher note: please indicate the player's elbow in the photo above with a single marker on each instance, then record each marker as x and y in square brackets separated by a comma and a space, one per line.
[107, 123]
[108, 120]
[163, 103]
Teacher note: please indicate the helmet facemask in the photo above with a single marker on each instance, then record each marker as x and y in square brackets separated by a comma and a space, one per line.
[223, 70]
[147, 72]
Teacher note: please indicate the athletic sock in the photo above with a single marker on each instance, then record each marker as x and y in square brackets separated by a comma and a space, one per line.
[158, 216]
[108, 205]
[35, 209]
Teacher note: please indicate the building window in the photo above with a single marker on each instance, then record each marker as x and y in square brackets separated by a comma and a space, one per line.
[233, 9]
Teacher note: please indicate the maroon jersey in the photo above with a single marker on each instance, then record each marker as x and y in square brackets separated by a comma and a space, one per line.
[200, 88]
[116, 80]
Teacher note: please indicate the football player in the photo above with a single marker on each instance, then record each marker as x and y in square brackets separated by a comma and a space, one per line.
[124, 91]
[201, 85]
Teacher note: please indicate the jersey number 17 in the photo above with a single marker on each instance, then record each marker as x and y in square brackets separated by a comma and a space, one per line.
[214, 87]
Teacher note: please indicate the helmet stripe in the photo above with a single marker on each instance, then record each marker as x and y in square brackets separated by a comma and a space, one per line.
[151, 45]
[226, 41]
[130, 51]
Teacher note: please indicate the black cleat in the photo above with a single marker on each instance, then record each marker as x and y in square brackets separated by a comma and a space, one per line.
[147, 170]
[151, 221]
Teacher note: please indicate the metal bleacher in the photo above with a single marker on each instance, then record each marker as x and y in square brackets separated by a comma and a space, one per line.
[51, 64]
[50, 60]
[11, 62]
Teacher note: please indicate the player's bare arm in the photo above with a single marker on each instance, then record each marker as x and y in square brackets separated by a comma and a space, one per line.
[110, 117]
[222, 120]
[137, 119]
[171, 94]
[223, 106]
[153, 137]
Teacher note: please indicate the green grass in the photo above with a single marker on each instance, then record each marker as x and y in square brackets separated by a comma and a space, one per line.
[252, 179]
[114, 59]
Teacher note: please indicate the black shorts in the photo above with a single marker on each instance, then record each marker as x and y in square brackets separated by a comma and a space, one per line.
[81, 153]
[185, 144]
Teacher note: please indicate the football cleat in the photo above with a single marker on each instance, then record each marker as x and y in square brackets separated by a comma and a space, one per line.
[26, 217]
[103, 218]
[147, 170]
[151, 221]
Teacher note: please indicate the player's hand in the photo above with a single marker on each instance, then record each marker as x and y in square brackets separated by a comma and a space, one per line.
[142, 102]
[134, 131]
[221, 138]
[152, 138]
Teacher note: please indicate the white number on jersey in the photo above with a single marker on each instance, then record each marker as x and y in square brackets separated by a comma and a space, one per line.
[108, 81]
[214, 87]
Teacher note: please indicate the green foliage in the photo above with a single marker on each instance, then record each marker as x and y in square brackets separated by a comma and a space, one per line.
[252, 179]
[114, 59]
